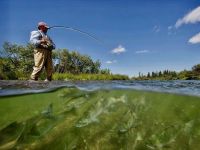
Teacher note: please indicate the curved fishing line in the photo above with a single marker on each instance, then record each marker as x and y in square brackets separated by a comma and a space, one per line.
[77, 30]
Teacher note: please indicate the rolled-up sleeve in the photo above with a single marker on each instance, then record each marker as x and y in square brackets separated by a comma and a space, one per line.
[35, 38]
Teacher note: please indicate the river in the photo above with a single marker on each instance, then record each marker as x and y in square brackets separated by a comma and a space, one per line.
[186, 87]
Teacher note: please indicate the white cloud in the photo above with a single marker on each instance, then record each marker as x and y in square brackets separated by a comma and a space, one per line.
[118, 50]
[111, 61]
[195, 39]
[171, 30]
[169, 27]
[142, 51]
[192, 17]
[156, 29]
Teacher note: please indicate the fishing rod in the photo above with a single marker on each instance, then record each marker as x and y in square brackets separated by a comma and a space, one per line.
[77, 30]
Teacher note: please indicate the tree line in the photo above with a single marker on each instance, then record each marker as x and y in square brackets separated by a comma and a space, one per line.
[193, 74]
[16, 62]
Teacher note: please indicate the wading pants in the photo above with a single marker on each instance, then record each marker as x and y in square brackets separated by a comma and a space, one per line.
[42, 58]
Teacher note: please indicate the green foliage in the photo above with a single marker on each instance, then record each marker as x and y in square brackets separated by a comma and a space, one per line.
[193, 74]
[7, 69]
[75, 63]
[68, 76]
[105, 71]
[196, 68]
[16, 62]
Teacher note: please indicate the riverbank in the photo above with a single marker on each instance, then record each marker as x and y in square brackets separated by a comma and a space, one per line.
[68, 76]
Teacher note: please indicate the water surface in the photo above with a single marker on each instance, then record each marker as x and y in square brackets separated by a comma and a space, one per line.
[191, 87]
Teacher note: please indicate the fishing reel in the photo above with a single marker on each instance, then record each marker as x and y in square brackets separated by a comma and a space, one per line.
[47, 44]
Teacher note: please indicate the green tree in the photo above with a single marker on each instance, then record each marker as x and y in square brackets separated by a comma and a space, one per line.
[16, 60]
[75, 63]
[196, 70]
[105, 71]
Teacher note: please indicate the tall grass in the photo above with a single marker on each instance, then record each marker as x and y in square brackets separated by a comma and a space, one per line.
[68, 76]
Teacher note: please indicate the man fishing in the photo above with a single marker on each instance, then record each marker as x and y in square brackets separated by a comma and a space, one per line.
[42, 52]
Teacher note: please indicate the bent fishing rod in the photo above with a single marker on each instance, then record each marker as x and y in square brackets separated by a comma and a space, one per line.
[77, 30]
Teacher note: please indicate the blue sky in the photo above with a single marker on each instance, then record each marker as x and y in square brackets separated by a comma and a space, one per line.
[138, 35]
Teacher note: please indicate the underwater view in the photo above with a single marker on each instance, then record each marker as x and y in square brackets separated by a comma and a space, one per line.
[100, 75]
[141, 115]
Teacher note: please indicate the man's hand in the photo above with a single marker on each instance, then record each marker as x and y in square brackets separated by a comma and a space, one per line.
[43, 41]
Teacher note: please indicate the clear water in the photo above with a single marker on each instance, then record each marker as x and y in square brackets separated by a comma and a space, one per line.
[191, 87]
[100, 115]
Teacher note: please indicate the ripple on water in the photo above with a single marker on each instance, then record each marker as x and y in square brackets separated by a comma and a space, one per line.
[191, 87]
